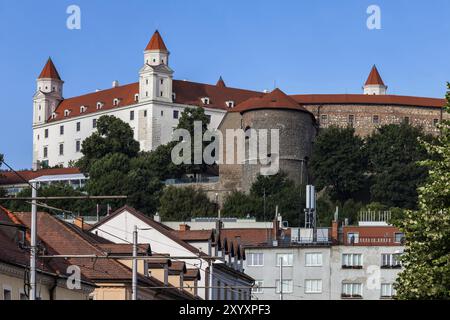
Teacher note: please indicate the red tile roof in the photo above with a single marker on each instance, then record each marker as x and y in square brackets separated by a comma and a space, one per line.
[307, 99]
[220, 83]
[276, 99]
[194, 235]
[186, 92]
[156, 43]
[8, 177]
[49, 71]
[374, 77]
[246, 236]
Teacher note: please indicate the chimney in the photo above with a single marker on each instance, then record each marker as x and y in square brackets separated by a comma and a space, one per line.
[184, 227]
[334, 232]
[115, 84]
[79, 222]
[157, 217]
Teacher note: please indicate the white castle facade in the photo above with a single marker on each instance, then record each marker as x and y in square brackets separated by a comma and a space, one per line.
[152, 107]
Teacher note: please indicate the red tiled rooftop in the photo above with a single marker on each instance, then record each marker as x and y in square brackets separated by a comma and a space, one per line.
[276, 99]
[374, 77]
[308, 99]
[49, 71]
[156, 43]
[9, 177]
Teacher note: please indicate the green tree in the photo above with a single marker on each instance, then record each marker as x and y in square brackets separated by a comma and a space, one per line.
[187, 121]
[266, 194]
[112, 136]
[426, 273]
[338, 162]
[79, 207]
[179, 204]
[240, 205]
[393, 152]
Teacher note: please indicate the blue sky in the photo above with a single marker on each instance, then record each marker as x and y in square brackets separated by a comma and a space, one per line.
[320, 46]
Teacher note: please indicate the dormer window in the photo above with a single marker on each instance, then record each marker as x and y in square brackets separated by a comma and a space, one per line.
[83, 109]
[99, 105]
[174, 96]
[53, 115]
[66, 113]
[136, 97]
[230, 104]
[205, 100]
[116, 102]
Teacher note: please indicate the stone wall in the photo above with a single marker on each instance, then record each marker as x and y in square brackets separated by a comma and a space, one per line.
[296, 131]
[365, 116]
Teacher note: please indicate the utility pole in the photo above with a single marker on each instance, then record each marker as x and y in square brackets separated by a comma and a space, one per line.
[33, 243]
[281, 278]
[134, 281]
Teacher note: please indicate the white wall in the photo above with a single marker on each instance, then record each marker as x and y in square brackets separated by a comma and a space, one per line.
[159, 128]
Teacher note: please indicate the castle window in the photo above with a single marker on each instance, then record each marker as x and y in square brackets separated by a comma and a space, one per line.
[61, 130]
[131, 115]
[351, 119]
[146, 93]
[162, 113]
[66, 113]
[83, 109]
[94, 123]
[77, 146]
[61, 149]
[176, 114]
[162, 61]
[39, 107]
[46, 133]
[162, 81]
[53, 115]
[145, 113]
[115, 102]
[146, 81]
[78, 126]
[45, 152]
[136, 97]
[161, 93]
[174, 96]
[205, 100]
[99, 105]
[230, 104]
[376, 119]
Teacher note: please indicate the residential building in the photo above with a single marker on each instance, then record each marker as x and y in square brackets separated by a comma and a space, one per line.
[14, 182]
[14, 268]
[224, 266]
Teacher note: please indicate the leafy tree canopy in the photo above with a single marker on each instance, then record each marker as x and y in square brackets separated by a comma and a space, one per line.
[179, 204]
[393, 152]
[338, 161]
[426, 259]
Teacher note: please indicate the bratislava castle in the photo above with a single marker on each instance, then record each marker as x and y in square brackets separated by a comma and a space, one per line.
[153, 105]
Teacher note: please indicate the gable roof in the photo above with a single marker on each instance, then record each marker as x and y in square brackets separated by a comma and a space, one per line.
[156, 43]
[374, 77]
[49, 71]
[166, 231]
[186, 92]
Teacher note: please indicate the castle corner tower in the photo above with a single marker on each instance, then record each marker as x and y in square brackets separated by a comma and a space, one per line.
[155, 77]
[374, 84]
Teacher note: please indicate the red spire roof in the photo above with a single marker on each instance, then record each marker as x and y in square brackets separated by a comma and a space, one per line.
[220, 83]
[49, 71]
[276, 99]
[156, 43]
[374, 77]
